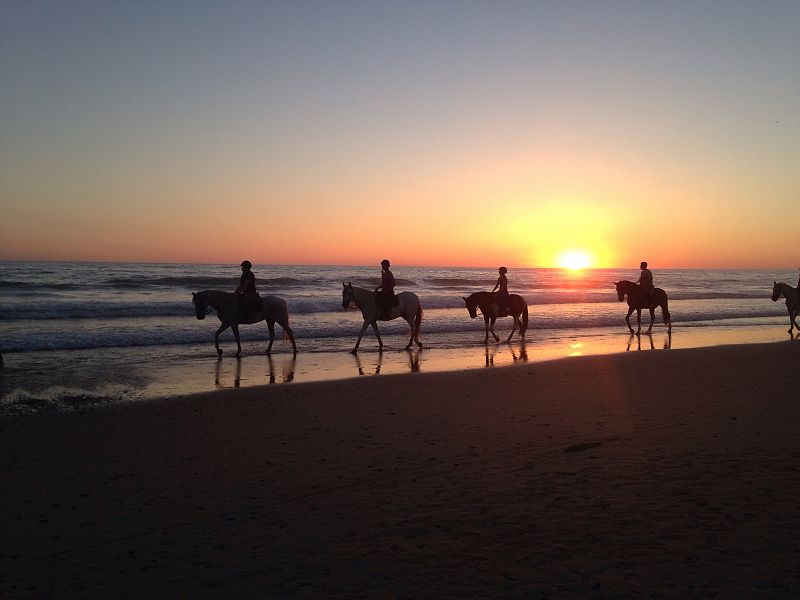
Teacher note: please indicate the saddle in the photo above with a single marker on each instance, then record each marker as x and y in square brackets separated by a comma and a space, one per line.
[498, 312]
[250, 305]
[386, 300]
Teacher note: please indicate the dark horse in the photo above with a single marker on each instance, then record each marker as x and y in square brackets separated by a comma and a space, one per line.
[487, 302]
[637, 301]
[792, 296]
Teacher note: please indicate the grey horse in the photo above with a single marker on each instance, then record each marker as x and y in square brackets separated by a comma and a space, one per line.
[273, 310]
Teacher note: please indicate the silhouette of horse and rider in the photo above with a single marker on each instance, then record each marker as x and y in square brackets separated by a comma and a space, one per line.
[499, 303]
[640, 295]
[792, 296]
[382, 304]
[244, 307]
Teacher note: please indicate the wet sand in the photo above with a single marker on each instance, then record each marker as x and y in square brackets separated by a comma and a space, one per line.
[663, 474]
[79, 379]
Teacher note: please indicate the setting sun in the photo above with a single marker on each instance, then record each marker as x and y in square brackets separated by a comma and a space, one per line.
[575, 260]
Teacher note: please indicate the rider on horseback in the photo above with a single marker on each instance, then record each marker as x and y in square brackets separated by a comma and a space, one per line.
[501, 286]
[646, 282]
[246, 295]
[384, 293]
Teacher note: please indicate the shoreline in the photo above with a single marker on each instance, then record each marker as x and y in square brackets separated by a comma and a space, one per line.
[668, 474]
[43, 381]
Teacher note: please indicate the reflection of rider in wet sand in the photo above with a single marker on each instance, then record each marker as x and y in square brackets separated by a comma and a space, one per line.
[502, 292]
[246, 294]
[384, 293]
[646, 282]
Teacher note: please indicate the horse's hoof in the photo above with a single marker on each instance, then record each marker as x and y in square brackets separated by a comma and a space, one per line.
[219, 352]
[354, 351]
[420, 345]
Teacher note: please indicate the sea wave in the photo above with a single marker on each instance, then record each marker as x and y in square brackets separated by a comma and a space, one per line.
[155, 332]
[42, 308]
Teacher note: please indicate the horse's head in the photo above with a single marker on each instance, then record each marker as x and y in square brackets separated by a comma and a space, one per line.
[620, 290]
[200, 307]
[347, 295]
[776, 291]
[472, 306]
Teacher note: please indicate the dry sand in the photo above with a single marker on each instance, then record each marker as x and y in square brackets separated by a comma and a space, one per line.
[658, 474]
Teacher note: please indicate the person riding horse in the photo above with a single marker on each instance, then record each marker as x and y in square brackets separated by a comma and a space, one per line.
[502, 292]
[384, 293]
[247, 297]
[646, 281]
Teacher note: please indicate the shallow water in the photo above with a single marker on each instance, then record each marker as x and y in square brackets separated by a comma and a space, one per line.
[81, 334]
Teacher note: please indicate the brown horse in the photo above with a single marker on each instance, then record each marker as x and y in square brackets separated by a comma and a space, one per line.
[637, 301]
[487, 302]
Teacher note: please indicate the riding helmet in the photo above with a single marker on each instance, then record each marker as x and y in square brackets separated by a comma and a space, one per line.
[246, 263]
[503, 270]
[385, 263]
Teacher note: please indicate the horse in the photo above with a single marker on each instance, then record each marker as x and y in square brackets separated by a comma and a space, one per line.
[487, 302]
[408, 308]
[792, 296]
[273, 310]
[637, 301]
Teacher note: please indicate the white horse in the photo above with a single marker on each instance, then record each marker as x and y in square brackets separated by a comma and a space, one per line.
[792, 296]
[408, 308]
[273, 310]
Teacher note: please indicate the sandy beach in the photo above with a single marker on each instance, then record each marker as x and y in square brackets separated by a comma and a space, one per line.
[662, 474]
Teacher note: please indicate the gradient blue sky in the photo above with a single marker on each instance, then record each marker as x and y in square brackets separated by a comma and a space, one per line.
[464, 133]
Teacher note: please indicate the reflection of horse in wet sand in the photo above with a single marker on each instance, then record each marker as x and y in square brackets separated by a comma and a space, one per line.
[637, 300]
[792, 296]
[487, 302]
[408, 308]
[273, 310]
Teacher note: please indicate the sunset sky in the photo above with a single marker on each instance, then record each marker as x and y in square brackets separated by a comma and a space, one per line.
[433, 133]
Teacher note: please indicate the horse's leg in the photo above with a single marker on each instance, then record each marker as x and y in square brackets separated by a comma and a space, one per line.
[628, 318]
[360, 335]
[652, 319]
[377, 335]
[235, 330]
[638, 321]
[791, 319]
[513, 327]
[222, 328]
[491, 328]
[271, 327]
[486, 323]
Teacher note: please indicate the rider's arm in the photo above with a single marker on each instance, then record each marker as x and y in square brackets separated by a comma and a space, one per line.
[496, 285]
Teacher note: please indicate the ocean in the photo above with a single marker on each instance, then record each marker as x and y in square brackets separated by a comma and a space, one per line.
[71, 328]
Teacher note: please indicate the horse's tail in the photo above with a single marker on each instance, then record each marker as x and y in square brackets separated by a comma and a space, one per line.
[418, 320]
[524, 317]
[286, 310]
[665, 312]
